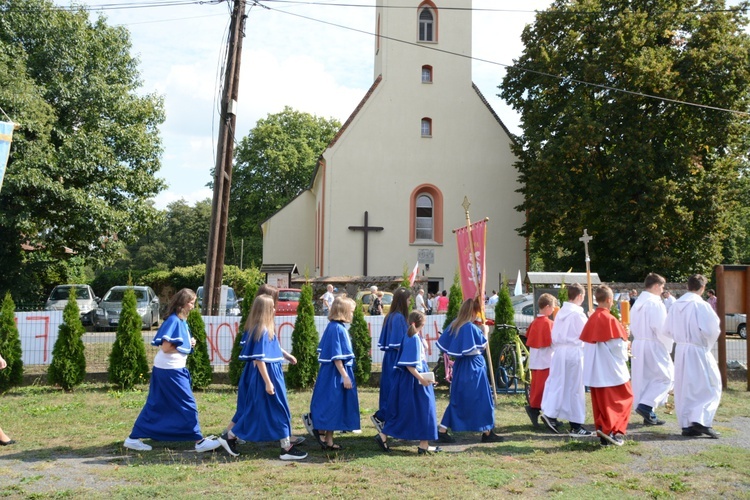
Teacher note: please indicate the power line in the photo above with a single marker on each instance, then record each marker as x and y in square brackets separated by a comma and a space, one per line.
[567, 79]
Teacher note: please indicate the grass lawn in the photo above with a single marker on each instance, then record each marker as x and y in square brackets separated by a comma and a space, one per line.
[70, 445]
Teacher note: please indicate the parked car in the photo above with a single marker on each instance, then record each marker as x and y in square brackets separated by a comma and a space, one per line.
[233, 304]
[736, 323]
[147, 305]
[288, 301]
[523, 311]
[366, 297]
[87, 300]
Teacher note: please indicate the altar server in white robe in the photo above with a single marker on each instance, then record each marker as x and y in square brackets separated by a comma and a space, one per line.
[564, 395]
[694, 326]
[652, 369]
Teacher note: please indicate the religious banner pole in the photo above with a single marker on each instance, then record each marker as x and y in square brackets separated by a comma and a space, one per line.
[480, 293]
[585, 239]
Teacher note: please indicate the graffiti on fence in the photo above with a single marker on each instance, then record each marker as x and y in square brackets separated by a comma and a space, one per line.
[38, 332]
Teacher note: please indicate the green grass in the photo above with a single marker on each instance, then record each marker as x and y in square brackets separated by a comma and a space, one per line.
[70, 445]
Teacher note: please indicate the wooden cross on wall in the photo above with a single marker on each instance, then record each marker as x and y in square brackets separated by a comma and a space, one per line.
[366, 229]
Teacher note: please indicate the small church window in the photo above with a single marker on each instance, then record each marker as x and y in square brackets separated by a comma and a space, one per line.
[426, 127]
[426, 25]
[426, 74]
[424, 223]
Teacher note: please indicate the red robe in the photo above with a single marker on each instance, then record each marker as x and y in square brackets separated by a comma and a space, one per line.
[538, 336]
[611, 405]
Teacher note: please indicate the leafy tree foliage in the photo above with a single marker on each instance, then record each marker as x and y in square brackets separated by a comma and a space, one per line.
[361, 344]
[85, 158]
[658, 184]
[68, 367]
[304, 343]
[199, 363]
[127, 361]
[504, 315]
[10, 346]
[273, 164]
[455, 299]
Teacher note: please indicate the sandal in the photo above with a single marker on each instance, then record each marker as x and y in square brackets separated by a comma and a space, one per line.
[296, 441]
[334, 447]
[383, 445]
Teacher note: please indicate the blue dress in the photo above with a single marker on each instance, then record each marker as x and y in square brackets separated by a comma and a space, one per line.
[170, 412]
[332, 407]
[391, 335]
[242, 385]
[471, 406]
[411, 406]
[264, 417]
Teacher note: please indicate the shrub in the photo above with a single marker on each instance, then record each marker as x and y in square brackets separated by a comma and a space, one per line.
[127, 361]
[455, 299]
[198, 363]
[304, 343]
[68, 367]
[362, 344]
[503, 316]
[235, 365]
[10, 346]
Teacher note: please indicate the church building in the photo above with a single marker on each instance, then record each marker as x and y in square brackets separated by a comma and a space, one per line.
[388, 190]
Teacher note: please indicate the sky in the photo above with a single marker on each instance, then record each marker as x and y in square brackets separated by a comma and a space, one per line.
[290, 57]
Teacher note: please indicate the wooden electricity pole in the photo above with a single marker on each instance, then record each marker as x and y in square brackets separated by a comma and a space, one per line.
[217, 237]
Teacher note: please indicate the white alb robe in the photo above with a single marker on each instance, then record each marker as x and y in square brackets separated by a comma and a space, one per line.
[652, 369]
[694, 326]
[564, 394]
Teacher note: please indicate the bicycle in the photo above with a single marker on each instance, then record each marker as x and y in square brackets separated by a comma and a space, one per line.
[513, 375]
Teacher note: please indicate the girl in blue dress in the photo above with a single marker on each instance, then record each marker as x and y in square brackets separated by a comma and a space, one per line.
[265, 409]
[411, 403]
[335, 404]
[471, 406]
[171, 413]
[391, 335]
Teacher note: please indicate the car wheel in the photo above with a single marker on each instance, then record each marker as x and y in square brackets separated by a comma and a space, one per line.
[742, 331]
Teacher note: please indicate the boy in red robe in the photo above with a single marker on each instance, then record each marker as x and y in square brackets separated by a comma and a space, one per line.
[539, 342]
[605, 370]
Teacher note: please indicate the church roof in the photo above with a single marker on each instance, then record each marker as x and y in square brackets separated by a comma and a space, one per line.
[489, 107]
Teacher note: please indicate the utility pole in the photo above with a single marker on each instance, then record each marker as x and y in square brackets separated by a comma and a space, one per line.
[217, 237]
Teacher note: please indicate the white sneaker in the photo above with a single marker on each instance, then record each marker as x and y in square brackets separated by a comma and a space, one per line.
[307, 421]
[207, 445]
[292, 453]
[137, 445]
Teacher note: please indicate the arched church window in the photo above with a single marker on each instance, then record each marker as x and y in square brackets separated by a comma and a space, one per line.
[424, 224]
[426, 215]
[426, 74]
[427, 22]
[426, 127]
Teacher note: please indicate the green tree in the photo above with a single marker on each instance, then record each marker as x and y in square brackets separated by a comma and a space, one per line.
[504, 315]
[235, 365]
[657, 183]
[127, 361]
[68, 367]
[362, 345]
[199, 363]
[304, 343]
[455, 299]
[273, 164]
[85, 158]
[10, 346]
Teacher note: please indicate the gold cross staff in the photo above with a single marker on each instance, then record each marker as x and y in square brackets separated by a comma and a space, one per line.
[585, 239]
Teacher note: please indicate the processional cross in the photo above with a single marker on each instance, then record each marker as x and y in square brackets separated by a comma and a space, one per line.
[366, 229]
[585, 239]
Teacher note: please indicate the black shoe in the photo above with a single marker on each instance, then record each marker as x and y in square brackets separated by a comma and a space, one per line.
[603, 441]
[708, 431]
[382, 444]
[429, 451]
[551, 424]
[229, 444]
[7, 443]
[492, 438]
[652, 420]
[292, 454]
[533, 414]
[690, 432]
[646, 414]
[444, 437]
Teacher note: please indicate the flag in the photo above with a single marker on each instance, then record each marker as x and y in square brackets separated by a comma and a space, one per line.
[6, 135]
[518, 290]
[413, 275]
[471, 267]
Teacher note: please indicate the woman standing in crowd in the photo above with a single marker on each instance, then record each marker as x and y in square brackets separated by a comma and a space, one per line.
[471, 406]
[171, 413]
[391, 335]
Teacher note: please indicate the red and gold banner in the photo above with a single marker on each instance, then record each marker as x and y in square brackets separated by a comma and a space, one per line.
[471, 257]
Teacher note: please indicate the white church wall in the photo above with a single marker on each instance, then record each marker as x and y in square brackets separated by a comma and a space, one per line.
[285, 240]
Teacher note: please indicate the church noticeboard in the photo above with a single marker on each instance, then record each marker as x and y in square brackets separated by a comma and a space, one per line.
[426, 256]
[280, 280]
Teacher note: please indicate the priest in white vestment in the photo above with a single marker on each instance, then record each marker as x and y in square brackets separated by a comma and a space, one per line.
[694, 326]
[652, 369]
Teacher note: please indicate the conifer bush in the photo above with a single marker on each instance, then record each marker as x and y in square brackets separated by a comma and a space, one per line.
[304, 344]
[10, 346]
[68, 367]
[362, 344]
[199, 363]
[455, 299]
[235, 365]
[127, 361]
[503, 316]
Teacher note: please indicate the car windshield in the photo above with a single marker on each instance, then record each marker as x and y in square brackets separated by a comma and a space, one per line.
[63, 292]
[116, 294]
[289, 296]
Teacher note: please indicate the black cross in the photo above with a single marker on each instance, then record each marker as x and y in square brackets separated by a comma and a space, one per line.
[366, 229]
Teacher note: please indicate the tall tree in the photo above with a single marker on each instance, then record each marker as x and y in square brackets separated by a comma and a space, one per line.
[68, 367]
[656, 182]
[273, 164]
[10, 346]
[85, 158]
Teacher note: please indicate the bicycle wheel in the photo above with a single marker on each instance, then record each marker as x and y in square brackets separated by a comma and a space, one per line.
[505, 377]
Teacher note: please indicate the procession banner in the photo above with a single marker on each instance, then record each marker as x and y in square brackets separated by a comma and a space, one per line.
[471, 268]
[6, 135]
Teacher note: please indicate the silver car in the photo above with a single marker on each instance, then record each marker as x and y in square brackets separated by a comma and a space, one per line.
[147, 304]
[736, 323]
[87, 301]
